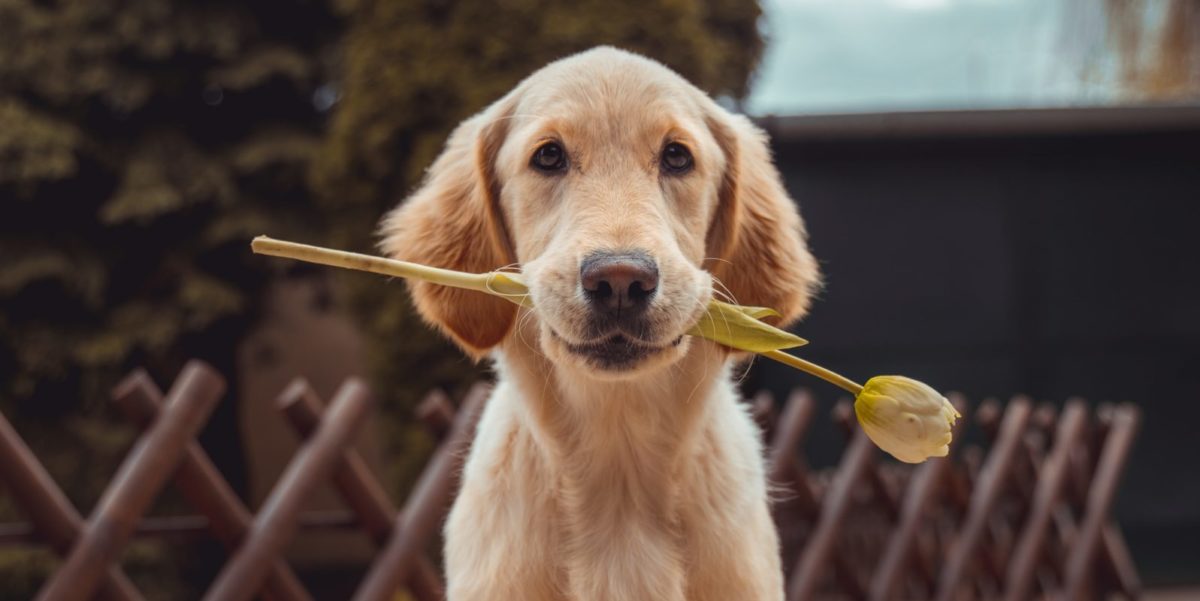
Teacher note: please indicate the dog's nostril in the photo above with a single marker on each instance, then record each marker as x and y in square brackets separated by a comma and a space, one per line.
[603, 290]
[617, 281]
[639, 291]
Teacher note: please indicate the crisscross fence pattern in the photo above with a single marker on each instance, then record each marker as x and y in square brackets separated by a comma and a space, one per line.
[1024, 514]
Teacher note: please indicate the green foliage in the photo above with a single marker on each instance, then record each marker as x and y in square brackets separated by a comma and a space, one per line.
[34, 146]
[141, 144]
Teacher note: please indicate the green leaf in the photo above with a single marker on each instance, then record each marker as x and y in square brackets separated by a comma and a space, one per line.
[738, 327]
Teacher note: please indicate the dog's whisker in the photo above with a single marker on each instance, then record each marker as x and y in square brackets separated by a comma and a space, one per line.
[727, 293]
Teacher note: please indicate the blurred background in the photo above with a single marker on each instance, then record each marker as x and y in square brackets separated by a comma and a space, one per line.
[1001, 193]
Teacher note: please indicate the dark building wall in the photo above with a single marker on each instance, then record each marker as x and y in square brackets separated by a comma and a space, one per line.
[1051, 261]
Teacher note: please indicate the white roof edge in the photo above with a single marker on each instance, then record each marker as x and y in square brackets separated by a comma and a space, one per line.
[984, 123]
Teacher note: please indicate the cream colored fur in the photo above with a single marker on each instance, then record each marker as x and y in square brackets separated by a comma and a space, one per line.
[587, 484]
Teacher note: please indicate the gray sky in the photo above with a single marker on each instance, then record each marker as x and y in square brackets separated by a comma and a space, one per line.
[868, 55]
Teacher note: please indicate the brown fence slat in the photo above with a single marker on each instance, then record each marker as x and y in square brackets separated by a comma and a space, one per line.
[923, 489]
[897, 554]
[822, 545]
[426, 507]
[762, 410]
[203, 486]
[1051, 485]
[52, 514]
[782, 466]
[182, 528]
[136, 484]
[995, 471]
[358, 487]
[1082, 554]
[1123, 571]
[1115, 560]
[436, 412]
[244, 573]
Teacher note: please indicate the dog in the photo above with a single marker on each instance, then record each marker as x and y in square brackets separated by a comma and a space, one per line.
[613, 460]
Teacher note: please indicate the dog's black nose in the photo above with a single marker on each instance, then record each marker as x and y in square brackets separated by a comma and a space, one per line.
[619, 283]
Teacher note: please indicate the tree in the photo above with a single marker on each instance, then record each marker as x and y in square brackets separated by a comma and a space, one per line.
[142, 143]
[1147, 51]
[1159, 58]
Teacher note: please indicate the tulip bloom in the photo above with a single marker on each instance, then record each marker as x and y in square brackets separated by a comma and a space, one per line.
[901, 416]
[906, 418]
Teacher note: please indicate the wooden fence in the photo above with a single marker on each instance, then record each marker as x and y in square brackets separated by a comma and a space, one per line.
[1025, 514]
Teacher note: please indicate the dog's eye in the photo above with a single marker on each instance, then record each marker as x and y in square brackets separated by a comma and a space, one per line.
[676, 158]
[549, 157]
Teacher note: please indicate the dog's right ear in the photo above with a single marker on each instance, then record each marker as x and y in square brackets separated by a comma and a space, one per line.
[454, 221]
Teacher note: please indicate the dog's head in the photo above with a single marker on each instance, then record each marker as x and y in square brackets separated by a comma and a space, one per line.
[627, 197]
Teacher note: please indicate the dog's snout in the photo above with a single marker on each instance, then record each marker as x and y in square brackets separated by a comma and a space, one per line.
[618, 283]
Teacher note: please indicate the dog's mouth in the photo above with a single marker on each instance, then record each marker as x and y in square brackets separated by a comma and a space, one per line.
[616, 352]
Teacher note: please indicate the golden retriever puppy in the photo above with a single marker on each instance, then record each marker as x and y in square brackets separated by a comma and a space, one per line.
[613, 461]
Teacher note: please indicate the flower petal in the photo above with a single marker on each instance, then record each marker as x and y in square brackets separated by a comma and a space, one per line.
[906, 418]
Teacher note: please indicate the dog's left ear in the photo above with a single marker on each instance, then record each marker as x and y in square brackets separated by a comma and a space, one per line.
[454, 221]
[757, 240]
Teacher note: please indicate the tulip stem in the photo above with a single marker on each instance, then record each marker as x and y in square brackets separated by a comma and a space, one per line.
[264, 245]
[812, 368]
[492, 283]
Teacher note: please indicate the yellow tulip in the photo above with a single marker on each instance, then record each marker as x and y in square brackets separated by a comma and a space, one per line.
[906, 418]
[902, 416]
